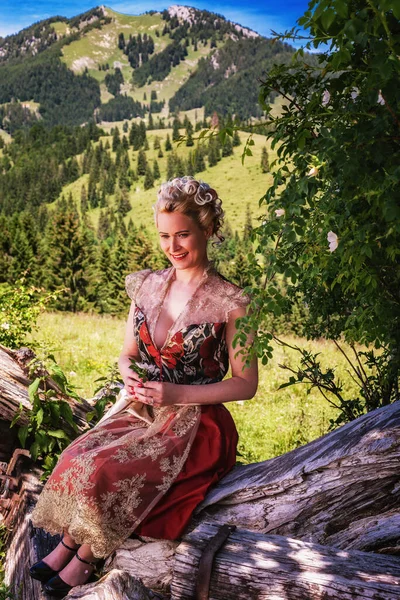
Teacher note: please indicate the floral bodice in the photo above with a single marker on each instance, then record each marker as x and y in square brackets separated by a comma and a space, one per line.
[195, 350]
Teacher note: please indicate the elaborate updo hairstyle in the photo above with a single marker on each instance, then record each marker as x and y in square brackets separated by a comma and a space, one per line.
[194, 199]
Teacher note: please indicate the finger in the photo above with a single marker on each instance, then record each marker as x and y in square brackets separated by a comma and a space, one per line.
[133, 377]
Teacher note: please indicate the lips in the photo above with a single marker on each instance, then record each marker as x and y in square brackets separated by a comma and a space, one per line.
[179, 256]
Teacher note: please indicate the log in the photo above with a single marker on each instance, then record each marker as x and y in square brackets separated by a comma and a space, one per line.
[14, 383]
[116, 585]
[152, 561]
[270, 567]
[335, 490]
[23, 551]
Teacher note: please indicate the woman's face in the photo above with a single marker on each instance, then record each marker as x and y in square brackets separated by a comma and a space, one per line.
[182, 240]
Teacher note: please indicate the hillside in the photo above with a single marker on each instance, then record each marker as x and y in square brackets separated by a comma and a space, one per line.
[92, 109]
[111, 66]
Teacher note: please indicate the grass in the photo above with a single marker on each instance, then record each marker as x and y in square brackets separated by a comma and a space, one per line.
[274, 422]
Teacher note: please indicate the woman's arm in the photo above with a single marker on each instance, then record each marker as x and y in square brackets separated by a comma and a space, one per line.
[241, 386]
[129, 350]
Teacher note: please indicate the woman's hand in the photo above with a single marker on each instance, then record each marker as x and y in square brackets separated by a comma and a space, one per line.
[157, 393]
[130, 379]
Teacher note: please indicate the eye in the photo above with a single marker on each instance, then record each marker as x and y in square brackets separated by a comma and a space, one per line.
[183, 235]
[164, 236]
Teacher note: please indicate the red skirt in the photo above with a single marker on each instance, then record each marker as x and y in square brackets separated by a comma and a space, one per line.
[212, 455]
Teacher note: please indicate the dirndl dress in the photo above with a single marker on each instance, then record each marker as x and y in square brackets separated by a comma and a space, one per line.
[147, 474]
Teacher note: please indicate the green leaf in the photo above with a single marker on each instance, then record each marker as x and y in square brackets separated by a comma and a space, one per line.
[58, 433]
[33, 388]
[39, 417]
[23, 434]
[34, 450]
[328, 17]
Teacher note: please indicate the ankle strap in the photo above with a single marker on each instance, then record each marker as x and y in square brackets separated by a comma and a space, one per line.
[69, 547]
[87, 562]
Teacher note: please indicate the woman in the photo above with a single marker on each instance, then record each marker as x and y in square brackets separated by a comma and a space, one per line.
[150, 461]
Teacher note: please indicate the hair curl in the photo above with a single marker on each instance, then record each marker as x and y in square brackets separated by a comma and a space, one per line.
[193, 198]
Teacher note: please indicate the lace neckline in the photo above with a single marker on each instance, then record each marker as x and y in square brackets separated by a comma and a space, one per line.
[210, 268]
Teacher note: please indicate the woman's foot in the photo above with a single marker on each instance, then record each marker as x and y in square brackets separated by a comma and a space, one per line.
[77, 572]
[57, 559]
[62, 554]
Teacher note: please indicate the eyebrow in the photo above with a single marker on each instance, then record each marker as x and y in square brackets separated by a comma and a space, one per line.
[183, 231]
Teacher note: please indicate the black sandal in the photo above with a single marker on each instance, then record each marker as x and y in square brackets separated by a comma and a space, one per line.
[58, 588]
[42, 572]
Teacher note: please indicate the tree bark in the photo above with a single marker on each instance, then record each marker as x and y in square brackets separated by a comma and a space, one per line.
[14, 383]
[266, 567]
[337, 490]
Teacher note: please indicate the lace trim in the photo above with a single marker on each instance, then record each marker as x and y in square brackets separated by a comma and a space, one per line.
[211, 302]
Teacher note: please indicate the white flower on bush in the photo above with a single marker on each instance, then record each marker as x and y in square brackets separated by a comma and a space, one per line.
[333, 241]
[5, 325]
[313, 172]
[326, 98]
[280, 212]
[381, 99]
[354, 94]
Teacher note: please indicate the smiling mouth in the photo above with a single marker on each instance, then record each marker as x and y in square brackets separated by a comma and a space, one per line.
[179, 256]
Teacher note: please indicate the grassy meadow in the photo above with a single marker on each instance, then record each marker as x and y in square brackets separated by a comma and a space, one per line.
[273, 422]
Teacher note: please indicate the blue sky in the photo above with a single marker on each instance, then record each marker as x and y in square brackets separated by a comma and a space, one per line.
[258, 15]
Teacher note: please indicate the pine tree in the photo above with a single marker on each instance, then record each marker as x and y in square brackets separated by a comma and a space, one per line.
[148, 179]
[84, 200]
[103, 287]
[199, 164]
[123, 202]
[116, 140]
[264, 160]
[141, 163]
[171, 166]
[212, 153]
[67, 257]
[160, 153]
[190, 167]
[179, 167]
[22, 257]
[104, 226]
[134, 136]
[156, 144]
[156, 170]
[248, 227]
[168, 145]
[236, 139]
[141, 254]
[142, 133]
[227, 149]
[119, 271]
[175, 130]
[189, 134]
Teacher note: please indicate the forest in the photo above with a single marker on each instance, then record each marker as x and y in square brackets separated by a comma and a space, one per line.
[317, 252]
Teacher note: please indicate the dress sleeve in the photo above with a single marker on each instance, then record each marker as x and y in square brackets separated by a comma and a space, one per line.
[236, 299]
[134, 281]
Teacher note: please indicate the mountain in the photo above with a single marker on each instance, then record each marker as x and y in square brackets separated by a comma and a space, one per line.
[111, 66]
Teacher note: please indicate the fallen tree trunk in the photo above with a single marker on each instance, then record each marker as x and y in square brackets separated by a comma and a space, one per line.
[342, 489]
[14, 383]
[265, 567]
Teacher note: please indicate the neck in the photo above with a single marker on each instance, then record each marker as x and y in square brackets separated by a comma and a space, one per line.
[192, 275]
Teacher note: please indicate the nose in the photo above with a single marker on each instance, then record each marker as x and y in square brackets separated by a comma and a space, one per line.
[175, 244]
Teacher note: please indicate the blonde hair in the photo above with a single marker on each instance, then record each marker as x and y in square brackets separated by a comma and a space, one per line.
[194, 199]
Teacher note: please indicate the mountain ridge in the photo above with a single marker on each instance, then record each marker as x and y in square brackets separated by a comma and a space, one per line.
[120, 60]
